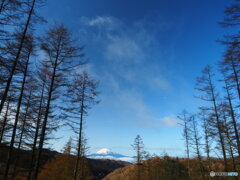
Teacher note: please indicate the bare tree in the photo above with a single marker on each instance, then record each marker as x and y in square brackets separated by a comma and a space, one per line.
[41, 75]
[61, 52]
[80, 95]
[138, 146]
[30, 9]
[205, 86]
[231, 110]
[204, 116]
[67, 149]
[195, 142]
[232, 15]
[184, 117]
[28, 52]
[227, 130]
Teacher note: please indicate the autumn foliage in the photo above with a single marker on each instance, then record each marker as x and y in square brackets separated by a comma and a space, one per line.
[165, 168]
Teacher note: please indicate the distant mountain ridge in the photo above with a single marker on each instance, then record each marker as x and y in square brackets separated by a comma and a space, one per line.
[105, 153]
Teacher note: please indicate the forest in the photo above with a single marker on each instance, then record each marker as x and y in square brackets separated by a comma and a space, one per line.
[43, 87]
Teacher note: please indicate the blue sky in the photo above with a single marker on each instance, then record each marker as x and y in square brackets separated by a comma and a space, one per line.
[146, 55]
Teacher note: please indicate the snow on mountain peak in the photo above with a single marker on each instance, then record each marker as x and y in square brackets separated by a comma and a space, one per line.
[103, 151]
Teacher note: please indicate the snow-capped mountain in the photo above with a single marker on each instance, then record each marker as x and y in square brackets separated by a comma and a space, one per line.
[105, 153]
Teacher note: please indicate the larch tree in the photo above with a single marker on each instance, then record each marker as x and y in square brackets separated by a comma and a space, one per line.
[62, 56]
[67, 149]
[205, 86]
[138, 146]
[40, 96]
[29, 10]
[231, 110]
[185, 122]
[204, 117]
[81, 94]
[195, 142]
[27, 48]
[227, 128]
[232, 15]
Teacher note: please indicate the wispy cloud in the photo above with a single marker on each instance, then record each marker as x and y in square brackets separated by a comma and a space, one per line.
[131, 63]
[129, 51]
[100, 21]
[132, 106]
[170, 120]
[123, 49]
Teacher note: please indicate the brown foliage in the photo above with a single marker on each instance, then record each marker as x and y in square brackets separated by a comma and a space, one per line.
[61, 168]
[165, 168]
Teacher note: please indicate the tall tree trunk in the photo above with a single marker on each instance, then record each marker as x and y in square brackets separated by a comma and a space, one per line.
[80, 135]
[207, 146]
[232, 113]
[236, 78]
[9, 157]
[229, 142]
[22, 132]
[4, 122]
[186, 135]
[197, 144]
[221, 138]
[39, 153]
[36, 133]
[14, 65]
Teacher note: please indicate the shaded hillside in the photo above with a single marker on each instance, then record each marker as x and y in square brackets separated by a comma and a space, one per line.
[58, 166]
[22, 159]
[61, 168]
[166, 168]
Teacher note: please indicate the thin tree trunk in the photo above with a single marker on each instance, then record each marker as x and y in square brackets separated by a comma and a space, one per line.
[4, 97]
[229, 142]
[9, 157]
[36, 133]
[218, 124]
[22, 131]
[236, 78]
[197, 144]
[39, 153]
[207, 143]
[233, 118]
[4, 122]
[80, 136]
[187, 142]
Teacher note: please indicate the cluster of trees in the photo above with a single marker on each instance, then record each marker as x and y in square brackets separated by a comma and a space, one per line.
[219, 113]
[163, 168]
[41, 85]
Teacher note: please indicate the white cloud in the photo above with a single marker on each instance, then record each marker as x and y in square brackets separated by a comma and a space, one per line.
[170, 120]
[131, 104]
[123, 49]
[129, 56]
[159, 83]
[105, 24]
[100, 21]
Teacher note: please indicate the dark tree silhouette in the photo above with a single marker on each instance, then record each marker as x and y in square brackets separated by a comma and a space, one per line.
[62, 57]
[208, 92]
[80, 95]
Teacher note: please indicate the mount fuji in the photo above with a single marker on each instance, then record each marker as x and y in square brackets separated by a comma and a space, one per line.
[105, 153]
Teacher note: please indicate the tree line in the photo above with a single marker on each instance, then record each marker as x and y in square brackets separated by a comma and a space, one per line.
[42, 86]
[213, 131]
